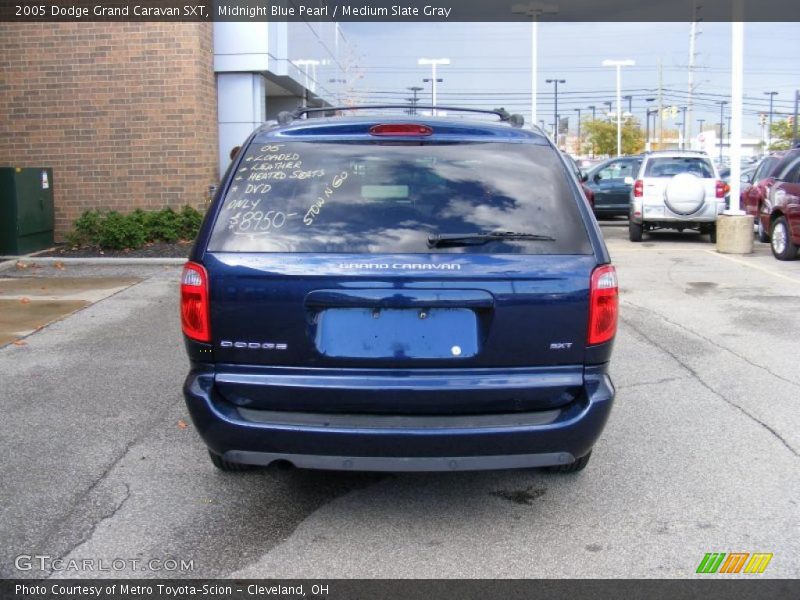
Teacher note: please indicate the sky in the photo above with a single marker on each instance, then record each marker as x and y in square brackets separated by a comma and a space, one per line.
[491, 65]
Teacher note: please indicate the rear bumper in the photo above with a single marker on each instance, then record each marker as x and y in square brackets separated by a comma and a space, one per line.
[658, 212]
[370, 442]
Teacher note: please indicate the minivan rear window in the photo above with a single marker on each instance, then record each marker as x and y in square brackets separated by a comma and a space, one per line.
[668, 166]
[389, 197]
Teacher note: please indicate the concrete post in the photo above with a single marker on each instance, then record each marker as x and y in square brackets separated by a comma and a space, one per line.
[735, 234]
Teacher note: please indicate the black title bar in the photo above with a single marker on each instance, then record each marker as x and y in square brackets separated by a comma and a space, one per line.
[401, 10]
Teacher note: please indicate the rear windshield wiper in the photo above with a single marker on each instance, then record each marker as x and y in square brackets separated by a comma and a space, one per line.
[437, 240]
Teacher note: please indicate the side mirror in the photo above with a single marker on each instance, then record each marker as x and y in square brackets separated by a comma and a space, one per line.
[628, 181]
[234, 151]
[584, 177]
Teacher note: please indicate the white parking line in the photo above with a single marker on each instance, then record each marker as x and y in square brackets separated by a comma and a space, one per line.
[752, 266]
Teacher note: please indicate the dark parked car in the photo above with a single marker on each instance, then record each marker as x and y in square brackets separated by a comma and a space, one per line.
[611, 182]
[783, 218]
[395, 293]
[579, 176]
[755, 192]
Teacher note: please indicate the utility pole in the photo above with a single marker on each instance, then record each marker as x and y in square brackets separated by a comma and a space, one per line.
[415, 89]
[769, 128]
[578, 110]
[693, 33]
[555, 107]
[660, 126]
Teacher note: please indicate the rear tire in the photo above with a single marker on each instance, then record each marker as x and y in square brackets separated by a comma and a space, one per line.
[635, 231]
[578, 465]
[781, 240]
[227, 466]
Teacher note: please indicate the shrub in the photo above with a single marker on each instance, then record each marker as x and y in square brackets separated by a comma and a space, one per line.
[117, 231]
[86, 228]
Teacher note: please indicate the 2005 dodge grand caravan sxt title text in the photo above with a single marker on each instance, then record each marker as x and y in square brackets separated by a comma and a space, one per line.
[399, 294]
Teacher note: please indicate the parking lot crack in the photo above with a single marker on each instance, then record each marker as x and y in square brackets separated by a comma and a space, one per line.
[118, 506]
[714, 343]
[648, 383]
[696, 375]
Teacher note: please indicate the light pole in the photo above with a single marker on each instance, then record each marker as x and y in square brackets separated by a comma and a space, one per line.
[654, 112]
[433, 62]
[683, 125]
[592, 108]
[609, 105]
[630, 103]
[555, 107]
[769, 127]
[619, 64]
[722, 104]
[728, 118]
[534, 10]
[647, 113]
[578, 110]
[701, 121]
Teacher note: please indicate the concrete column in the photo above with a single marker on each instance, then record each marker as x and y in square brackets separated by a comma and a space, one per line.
[734, 234]
[241, 105]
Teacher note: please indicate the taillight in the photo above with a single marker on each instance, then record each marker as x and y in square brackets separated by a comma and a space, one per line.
[603, 305]
[408, 129]
[638, 188]
[194, 303]
[722, 189]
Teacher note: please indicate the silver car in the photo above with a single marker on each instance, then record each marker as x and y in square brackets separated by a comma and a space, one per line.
[676, 190]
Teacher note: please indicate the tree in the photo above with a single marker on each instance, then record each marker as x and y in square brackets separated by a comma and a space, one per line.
[603, 134]
[782, 132]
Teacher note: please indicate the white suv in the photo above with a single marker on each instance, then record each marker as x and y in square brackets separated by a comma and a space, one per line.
[676, 190]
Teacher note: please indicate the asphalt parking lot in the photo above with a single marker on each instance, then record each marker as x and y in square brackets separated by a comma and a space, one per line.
[701, 454]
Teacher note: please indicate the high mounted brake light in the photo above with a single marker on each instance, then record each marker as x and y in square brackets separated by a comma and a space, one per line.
[194, 303]
[400, 129]
[603, 305]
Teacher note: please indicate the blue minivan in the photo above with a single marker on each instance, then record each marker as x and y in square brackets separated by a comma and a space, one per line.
[399, 293]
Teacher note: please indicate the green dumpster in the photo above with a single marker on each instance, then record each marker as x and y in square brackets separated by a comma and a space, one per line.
[26, 210]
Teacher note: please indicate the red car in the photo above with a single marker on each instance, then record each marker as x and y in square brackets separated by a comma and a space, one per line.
[783, 203]
[755, 195]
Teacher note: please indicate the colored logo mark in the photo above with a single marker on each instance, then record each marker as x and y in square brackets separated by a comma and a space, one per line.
[734, 562]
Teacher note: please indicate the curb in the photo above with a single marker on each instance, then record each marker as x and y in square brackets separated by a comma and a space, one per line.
[48, 260]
